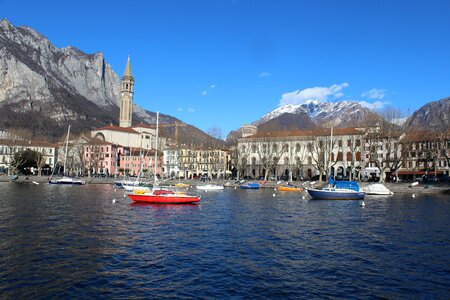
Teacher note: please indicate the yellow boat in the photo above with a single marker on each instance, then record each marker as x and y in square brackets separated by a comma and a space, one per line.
[285, 188]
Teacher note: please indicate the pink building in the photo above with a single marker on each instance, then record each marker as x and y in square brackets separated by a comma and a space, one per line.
[102, 157]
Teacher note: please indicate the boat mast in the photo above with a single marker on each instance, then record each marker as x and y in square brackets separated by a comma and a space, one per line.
[156, 148]
[329, 154]
[65, 152]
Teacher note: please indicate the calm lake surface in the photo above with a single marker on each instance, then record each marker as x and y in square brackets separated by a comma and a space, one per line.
[73, 242]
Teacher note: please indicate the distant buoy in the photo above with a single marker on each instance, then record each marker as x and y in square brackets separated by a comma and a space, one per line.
[362, 203]
[124, 195]
[235, 187]
[273, 195]
[114, 201]
[414, 196]
[303, 197]
[275, 189]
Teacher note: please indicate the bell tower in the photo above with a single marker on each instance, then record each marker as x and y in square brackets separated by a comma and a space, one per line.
[126, 97]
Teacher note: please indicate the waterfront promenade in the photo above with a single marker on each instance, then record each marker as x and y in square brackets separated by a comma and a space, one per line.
[401, 187]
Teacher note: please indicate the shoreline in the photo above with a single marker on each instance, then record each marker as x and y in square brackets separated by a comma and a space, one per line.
[394, 187]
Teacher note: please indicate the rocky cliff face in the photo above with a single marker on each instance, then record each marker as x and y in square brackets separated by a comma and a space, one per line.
[44, 88]
[434, 115]
[33, 69]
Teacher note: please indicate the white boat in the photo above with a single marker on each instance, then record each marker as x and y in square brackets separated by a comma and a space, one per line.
[210, 187]
[377, 189]
[66, 179]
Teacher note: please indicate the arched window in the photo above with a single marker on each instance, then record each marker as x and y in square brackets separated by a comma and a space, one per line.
[253, 161]
[297, 147]
[309, 147]
[253, 148]
[349, 156]
[358, 156]
[340, 156]
[286, 148]
[274, 147]
[309, 160]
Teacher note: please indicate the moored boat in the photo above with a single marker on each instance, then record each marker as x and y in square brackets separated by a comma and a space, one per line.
[210, 187]
[289, 188]
[67, 180]
[160, 196]
[377, 189]
[250, 186]
[333, 193]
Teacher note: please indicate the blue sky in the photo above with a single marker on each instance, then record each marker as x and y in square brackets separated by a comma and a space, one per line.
[225, 63]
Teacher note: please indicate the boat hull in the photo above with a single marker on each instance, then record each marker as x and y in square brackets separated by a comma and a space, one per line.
[68, 181]
[210, 187]
[250, 186]
[289, 189]
[164, 199]
[335, 195]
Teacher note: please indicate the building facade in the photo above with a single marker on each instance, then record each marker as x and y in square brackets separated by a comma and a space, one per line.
[45, 158]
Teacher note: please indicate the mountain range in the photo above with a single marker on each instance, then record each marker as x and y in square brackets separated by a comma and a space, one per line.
[44, 88]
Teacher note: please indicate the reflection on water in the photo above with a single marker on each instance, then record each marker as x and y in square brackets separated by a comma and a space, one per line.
[72, 242]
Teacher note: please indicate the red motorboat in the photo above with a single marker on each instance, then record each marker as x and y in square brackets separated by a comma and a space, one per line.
[163, 197]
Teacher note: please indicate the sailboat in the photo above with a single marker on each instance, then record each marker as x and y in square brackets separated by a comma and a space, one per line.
[66, 179]
[159, 195]
[337, 190]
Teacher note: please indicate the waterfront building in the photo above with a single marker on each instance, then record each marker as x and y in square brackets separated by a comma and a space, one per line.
[193, 162]
[364, 153]
[46, 155]
[172, 162]
[427, 155]
[300, 154]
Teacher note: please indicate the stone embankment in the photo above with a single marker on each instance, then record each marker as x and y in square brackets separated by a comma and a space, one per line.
[394, 187]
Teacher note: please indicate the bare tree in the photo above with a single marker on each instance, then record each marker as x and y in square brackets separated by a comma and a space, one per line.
[321, 149]
[270, 153]
[242, 156]
[215, 132]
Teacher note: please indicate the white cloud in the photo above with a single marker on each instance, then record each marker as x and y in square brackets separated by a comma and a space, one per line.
[190, 109]
[264, 75]
[180, 109]
[315, 93]
[207, 91]
[374, 94]
[377, 105]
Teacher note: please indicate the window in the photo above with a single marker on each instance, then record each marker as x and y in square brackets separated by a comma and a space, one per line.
[349, 156]
[297, 147]
[340, 143]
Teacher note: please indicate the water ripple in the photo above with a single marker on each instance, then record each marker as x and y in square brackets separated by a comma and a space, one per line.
[73, 242]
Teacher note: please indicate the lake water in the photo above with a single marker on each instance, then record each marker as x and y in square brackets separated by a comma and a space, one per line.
[74, 242]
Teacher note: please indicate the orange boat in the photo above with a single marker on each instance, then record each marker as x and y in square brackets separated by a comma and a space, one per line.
[160, 196]
[288, 188]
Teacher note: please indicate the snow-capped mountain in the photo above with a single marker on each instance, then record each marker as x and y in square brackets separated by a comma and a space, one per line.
[323, 114]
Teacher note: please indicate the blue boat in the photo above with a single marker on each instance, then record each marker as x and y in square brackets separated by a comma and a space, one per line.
[334, 193]
[338, 190]
[250, 186]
